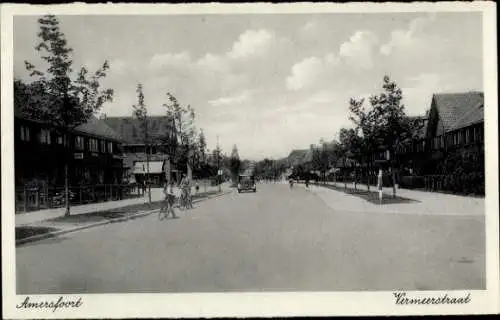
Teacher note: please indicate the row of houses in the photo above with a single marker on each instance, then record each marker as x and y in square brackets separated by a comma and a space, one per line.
[104, 158]
[454, 124]
[101, 151]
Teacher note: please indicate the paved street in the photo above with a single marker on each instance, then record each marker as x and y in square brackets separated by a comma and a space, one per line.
[277, 239]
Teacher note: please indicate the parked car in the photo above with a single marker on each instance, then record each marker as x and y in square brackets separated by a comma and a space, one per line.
[246, 182]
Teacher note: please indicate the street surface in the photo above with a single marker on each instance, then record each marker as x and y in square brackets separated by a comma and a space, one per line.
[277, 239]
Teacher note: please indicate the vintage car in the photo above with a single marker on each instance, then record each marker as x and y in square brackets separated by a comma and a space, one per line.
[246, 182]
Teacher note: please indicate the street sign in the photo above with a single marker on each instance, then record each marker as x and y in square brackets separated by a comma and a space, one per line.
[219, 172]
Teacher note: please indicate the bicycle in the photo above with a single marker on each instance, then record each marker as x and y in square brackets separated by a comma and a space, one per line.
[185, 201]
[168, 206]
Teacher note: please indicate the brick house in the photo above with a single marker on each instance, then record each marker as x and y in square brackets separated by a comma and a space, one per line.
[456, 125]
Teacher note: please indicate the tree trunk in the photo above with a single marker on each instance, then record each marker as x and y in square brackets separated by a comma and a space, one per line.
[355, 179]
[368, 175]
[345, 178]
[393, 183]
[66, 189]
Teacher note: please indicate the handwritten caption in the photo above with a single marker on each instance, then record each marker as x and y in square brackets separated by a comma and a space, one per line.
[60, 303]
[402, 298]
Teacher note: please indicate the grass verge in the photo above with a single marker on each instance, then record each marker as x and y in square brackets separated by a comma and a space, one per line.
[23, 232]
[371, 196]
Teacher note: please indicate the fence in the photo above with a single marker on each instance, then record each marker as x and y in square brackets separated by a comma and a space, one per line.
[36, 198]
[459, 183]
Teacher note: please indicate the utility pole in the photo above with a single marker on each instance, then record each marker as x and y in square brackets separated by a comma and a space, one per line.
[148, 159]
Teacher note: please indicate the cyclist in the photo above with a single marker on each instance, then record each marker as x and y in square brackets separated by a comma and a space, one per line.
[186, 192]
[168, 204]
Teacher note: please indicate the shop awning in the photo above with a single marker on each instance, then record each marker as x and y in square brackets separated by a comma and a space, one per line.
[141, 167]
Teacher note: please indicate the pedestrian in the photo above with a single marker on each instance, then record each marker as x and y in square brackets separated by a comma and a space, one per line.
[197, 187]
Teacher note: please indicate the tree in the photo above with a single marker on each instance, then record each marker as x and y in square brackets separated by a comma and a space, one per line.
[202, 143]
[182, 120]
[365, 124]
[141, 114]
[348, 141]
[393, 128]
[54, 97]
[235, 163]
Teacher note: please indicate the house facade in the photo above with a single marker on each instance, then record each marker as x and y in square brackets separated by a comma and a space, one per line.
[92, 151]
[456, 126]
[137, 153]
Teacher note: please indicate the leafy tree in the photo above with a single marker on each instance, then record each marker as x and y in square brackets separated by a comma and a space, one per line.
[141, 114]
[393, 128]
[182, 120]
[235, 163]
[348, 142]
[202, 143]
[365, 124]
[54, 96]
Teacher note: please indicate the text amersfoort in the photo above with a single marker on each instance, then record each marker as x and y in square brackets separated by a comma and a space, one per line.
[46, 304]
[402, 298]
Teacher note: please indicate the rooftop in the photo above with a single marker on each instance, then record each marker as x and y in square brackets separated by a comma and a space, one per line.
[459, 109]
[130, 129]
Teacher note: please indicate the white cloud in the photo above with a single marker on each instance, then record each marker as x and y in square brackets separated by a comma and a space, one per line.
[169, 60]
[311, 71]
[410, 39]
[234, 101]
[358, 50]
[252, 43]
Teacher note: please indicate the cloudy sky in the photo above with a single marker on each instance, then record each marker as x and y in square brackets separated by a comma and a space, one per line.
[270, 83]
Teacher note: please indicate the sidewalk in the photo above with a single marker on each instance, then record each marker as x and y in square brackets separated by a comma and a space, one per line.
[432, 203]
[34, 217]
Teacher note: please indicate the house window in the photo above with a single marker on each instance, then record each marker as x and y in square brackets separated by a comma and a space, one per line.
[94, 145]
[25, 133]
[44, 136]
[467, 136]
[79, 143]
[103, 146]
[61, 139]
[110, 147]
